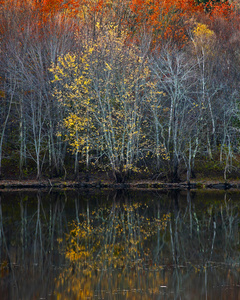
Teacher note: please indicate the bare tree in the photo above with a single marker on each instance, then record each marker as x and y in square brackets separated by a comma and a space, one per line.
[176, 108]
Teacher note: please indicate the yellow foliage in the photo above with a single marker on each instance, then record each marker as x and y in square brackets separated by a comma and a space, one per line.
[202, 31]
[2, 94]
[102, 89]
[203, 39]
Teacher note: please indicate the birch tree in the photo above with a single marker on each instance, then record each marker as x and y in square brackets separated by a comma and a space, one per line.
[104, 88]
[6, 100]
[120, 86]
[176, 79]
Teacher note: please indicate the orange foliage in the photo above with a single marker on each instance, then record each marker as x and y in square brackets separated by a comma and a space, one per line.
[164, 19]
[221, 9]
[51, 7]
[167, 18]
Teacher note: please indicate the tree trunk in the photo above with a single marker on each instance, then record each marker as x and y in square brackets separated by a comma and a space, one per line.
[120, 177]
[175, 177]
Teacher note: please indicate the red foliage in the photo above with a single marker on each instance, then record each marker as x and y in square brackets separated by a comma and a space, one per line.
[164, 19]
[221, 9]
[167, 19]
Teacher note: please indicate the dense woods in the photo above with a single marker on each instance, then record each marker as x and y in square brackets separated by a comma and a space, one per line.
[129, 87]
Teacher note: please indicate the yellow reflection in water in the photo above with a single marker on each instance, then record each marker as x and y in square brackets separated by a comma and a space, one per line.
[110, 251]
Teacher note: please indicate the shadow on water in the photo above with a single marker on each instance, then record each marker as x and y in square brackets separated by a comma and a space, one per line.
[119, 245]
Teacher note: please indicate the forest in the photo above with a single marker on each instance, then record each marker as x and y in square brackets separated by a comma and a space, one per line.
[130, 88]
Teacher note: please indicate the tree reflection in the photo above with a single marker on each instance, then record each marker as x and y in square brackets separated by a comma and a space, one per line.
[116, 237]
[27, 233]
[136, 248]
[123, 245]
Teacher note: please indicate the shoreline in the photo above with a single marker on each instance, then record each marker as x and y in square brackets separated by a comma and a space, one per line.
[141, 184]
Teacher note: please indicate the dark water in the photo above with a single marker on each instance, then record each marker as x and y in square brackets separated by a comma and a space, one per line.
[119, 245]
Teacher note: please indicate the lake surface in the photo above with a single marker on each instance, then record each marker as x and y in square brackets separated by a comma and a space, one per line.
[119, 245]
